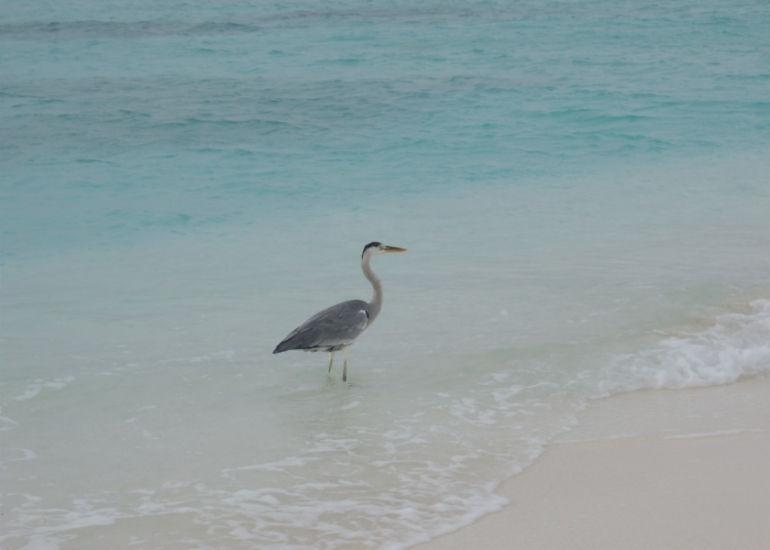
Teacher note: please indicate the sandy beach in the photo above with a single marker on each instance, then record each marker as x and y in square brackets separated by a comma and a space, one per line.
[680, 470]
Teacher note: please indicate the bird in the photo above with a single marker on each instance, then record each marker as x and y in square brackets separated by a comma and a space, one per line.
[337, 328]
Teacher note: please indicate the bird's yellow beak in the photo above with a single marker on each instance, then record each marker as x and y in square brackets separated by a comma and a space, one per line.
[392, 249]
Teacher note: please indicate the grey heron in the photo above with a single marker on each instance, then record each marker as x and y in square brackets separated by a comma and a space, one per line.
[337, 328]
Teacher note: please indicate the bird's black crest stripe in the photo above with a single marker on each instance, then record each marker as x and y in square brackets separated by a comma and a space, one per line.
[375, 243]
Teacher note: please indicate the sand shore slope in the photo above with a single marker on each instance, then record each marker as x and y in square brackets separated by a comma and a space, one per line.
[678, 470]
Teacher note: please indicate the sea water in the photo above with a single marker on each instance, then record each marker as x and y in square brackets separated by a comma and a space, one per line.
[583, 188]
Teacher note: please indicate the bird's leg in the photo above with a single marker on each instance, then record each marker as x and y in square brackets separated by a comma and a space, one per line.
[345, 363]
[331, 360]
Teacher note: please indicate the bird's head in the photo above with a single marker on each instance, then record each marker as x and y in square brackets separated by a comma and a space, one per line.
[375, 248]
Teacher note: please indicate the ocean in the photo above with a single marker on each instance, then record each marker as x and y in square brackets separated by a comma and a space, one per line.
[583, 188]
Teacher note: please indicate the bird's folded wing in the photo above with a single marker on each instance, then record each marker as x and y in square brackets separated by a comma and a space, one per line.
[333, 327]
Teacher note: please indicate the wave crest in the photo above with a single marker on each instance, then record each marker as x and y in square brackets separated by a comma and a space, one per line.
[737, 345]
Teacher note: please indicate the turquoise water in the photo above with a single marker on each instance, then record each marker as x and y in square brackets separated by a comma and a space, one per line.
[582, 186]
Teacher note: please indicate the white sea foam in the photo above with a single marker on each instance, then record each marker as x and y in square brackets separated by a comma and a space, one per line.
[7, 424]
[738, 344]
[33, 390]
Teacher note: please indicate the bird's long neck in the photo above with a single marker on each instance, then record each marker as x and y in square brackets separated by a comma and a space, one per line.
[376, 304]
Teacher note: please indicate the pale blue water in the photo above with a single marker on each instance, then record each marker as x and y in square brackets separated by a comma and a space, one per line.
[583, 188]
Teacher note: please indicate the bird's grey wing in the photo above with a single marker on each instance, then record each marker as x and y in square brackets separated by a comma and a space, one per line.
[329, 329]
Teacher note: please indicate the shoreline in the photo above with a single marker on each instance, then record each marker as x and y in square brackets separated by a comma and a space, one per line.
[665, 469]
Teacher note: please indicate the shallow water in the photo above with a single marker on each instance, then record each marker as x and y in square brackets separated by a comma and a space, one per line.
[583, 189]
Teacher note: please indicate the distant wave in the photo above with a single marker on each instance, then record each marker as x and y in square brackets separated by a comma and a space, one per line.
[90, 30]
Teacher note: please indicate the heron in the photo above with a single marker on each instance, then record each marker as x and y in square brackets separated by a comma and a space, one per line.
[337, 328]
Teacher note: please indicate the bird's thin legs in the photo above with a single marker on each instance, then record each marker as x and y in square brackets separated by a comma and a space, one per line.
[345, 363]
[331, 360]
